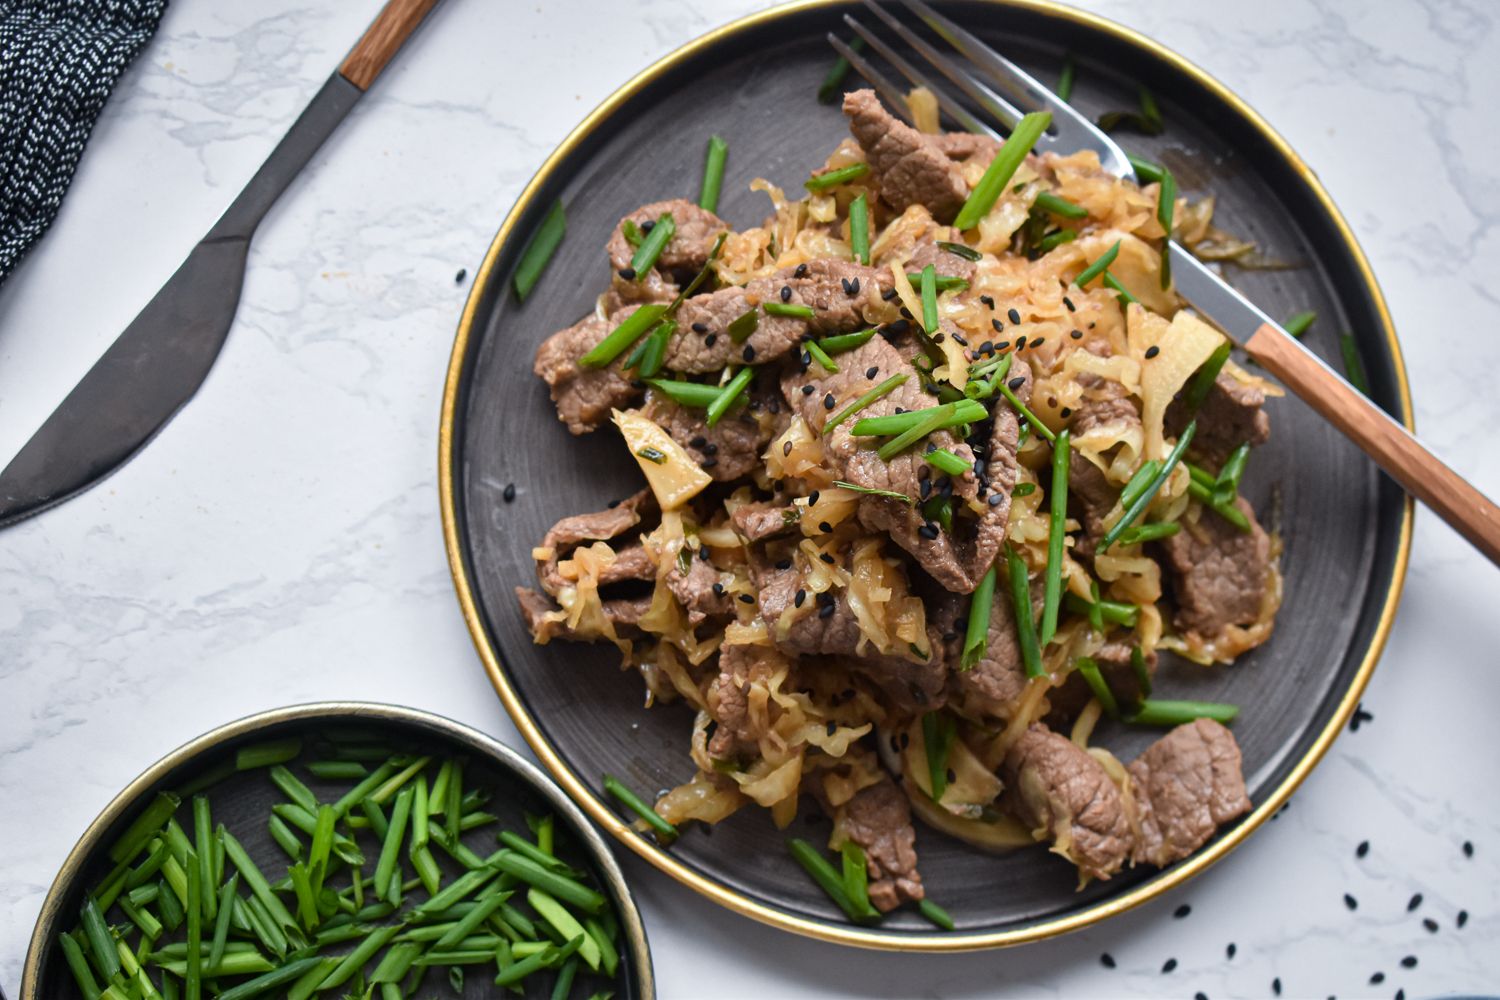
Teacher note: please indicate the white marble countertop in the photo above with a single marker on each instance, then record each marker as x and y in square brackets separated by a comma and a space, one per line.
[280, 541]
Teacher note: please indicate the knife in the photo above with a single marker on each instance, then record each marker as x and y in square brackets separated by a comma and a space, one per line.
[161, 359]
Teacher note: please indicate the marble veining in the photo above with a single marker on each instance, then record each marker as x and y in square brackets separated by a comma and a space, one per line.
[280, 541]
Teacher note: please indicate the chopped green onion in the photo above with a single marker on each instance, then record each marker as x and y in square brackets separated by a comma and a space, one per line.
[1228, 511]
[1099, 266]
[1142, 672]
[1020, 597]
[565, 924]
[869, 491]
[656, 348]
[651, 454]
[539, 250]
[963, 412]
[936, 914]
[144, 827]
[650, 250]
[632, 233]
[794, 310]
[938, 418]
[1023, 490]
[621, 337]
[269, 981]
[1203, 381]
[568, 890]
[831, 87]
[1154, 532]
[1354, 368]
[1114, 612]
[390, 850]
[857, 878]
[1058, 498]
[260, 889]
[713, 173]
[1057, 205]
[1228, 482]
[1052, 241]
[1300, 323]
[666, 832]
[938, 734]
[1001, 169]
[563, 987]
[356, 959]
[960, 250]
[859, 228]
[701, 276]
[1146, 172]
[1174, 713]
[929, 299]
[1166, 205]
[686, 393]
[940, 282]
[1031, 418]
[729, 394]
[976, 633]
[1124, 293]
[1138, 508]
[1138, 482]
[742, 326]
[1147, 120]
[337, 770]
[1064, 91]
[859, 404]
[1106, 698]
[79, 966]
[945, 461]
[846, 341]
[833, 178]
[101, 946]
[813, 862]
[227, 896]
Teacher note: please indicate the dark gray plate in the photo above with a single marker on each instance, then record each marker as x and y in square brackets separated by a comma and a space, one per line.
[1345, 528]
[242, 802]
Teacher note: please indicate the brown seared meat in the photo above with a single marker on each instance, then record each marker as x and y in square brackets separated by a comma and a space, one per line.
[1187, 785]
[997, 680]
[631, 561]
[1231, 414]
[1054, 787]
[1220, 574]
[911, 168]
[757, 521]
[584, 396]
[943, 262]
[682, 257]
[730, 449]
[963, 145]
[1113, 660]
[843, 295]
[878, 819]
[699, 590]
[624, 613]
[739, 666]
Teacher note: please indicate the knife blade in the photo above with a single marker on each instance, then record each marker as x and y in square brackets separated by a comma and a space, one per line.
[162, 358]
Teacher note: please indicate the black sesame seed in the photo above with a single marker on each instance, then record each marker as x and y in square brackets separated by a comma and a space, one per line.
[1107, 960]
[960, 340]
[1002, 345]
[999, 326]
[1021, 342]
[786, 293]
[826, 611]
[872, 371]
[1230, 949]
[710, 449]
[1065, 413]
[898, 327]
[648, 225]
[1414, 902]
[708, 463]
[1076, 334]
[1200, 995]
[698, 441]
[784, 564]
[1014, 316]
[812, 498]
[888, 294]
[1468, 848]
[826, 558]
[1377, 979]
[700, 328]
[458, 279]
[905, 740]
[709, 340]
[1016, 382]
[1182, 911]
[1430, 924]
[829, 402]
[937, 338]
[718, 590]
[801, 271]
[808, 390]
[1152, 352]
[1409, 962]
[831, 727]
[925, 489]
[798, 600]
[1351, 902]
[1168, 965]
[928, 531]
[825, 527]
[1400, 995]
[1037, 343]
[1276, 986]
[786, 449]
[628, 273]
[746, 599]
[996, 499]
[1362, 849]
[1069, 303]
[1463, 917]
[748, 353]
[705, 555]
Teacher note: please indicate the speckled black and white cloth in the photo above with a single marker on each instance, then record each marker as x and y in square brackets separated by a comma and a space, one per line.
[59, 60]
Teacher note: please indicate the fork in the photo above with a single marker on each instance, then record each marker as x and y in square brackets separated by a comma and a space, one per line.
[1005, 93]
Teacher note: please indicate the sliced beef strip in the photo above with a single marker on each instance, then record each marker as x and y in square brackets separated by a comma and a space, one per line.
[1187, 784]
[1219, 573]
[993, 684]
[828, 627]
[757, 521]
[843, 296]
[1092, 495]
[958, 563]
[1113, 659]
[584, 396]
[1231, 414]
[624, 613]
[728, 701]
[910, 167]
[962, 145]
[943, 262]
[730, 449]
[1053, 785]
[695, 591]
[878, 819]
[631, 561]
[682, 257]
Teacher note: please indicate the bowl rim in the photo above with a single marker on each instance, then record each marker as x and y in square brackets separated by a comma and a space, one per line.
[604, 815]
[340, 711]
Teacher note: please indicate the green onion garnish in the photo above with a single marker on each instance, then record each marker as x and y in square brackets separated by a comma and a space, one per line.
[793, 310]
[1058, 498]
[1064, 88]
[1052, 241]
[1002, 168]
[857, 878]
[976, 634]
[938, 418]
[945, 461]
[713, 173]
[1138, 482]
[940, 282]
[1114, 612]
[859, 228]
[832, 85]
[1142, 672]
[1147, 120]
[833, 178]
[742, 326]
[687, 393]
[1099, 266]
[1204, 494]
[960, 250]
[1049, 202]
[539, 250]
[1300, 323]
[656, 348]
[622, 336]
[1020, 598]
[846, 341]
[651, 247]
[1228, 482]
[1354, 368]
[863, 401]
[1166, 205]
[938, 734]
[830, 881]
[653, 455]
[1136, 509]
[1174, 713]
[870, 491]
[964, 412]
[1204, 379]
[266, 754]
[929, 299]
[936, 914]
[1031, 418]
[1146, 172]
[631, 232]
[1124, 295]
[1090, 671]
[1153, 532]
[729, 394]
[1023, 490]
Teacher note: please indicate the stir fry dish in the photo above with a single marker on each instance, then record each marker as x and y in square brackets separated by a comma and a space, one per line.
[935, 467]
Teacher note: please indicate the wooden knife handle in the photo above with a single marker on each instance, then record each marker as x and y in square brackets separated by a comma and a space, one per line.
[1418, 470]
[385, 35]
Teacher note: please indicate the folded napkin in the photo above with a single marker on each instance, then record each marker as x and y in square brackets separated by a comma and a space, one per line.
[59, 59]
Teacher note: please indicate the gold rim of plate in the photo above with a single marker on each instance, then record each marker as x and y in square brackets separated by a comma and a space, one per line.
[850, 934]
[503, 756]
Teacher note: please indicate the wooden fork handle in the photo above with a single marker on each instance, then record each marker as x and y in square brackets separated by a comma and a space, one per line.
[385, 35]
[1392, 447]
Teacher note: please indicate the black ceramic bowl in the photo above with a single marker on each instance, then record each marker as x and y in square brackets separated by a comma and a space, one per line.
[1346, 530]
